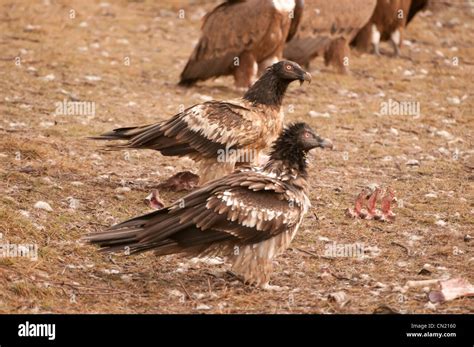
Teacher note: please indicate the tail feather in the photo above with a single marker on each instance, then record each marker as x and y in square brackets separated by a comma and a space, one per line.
[162, 231]
[119, 134]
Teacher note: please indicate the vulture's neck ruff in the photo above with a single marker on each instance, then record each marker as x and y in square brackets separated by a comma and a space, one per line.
[287, 151]
[268, 90]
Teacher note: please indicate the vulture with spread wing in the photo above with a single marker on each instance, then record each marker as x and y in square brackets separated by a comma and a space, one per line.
[249, 216]
[220, 134]
[387, 23]
[242, 38]
[326, 29]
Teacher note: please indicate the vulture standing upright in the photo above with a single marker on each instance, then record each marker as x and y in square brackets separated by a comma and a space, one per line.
[387, 23]
[242, 38]
[220, 134]
[249, 216]
[326, 29]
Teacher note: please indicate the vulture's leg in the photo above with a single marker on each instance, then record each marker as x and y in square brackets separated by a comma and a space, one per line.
[210, 169]
[338, 55]
[364, 39]
[375, 39]
[246, 72]
[395, 39]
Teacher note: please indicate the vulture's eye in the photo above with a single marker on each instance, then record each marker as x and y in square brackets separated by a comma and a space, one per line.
[289, 67]
[306, 135]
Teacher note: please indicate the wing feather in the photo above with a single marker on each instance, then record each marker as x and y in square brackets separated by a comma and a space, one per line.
[228, 30]
[218, 212]
[323, 21]
[199, 131]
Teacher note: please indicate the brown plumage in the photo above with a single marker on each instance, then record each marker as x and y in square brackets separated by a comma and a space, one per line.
[387, 23]
[249, 216]
[242, 38]
[220, 134]
[326, 29]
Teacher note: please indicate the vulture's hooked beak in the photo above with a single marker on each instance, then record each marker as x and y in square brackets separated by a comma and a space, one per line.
[306, 77]
[326, 143]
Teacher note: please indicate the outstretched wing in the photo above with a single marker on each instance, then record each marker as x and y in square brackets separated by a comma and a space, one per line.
[241, 208]
[230, 29]
[325, 20]
[201, 130]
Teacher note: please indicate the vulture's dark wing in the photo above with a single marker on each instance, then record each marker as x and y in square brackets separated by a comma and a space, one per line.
[228, 30]
[200, 130]
[325, 20]
[415, 7]
[241, 208]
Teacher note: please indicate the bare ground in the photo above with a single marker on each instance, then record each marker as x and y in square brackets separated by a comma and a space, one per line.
[45, 157]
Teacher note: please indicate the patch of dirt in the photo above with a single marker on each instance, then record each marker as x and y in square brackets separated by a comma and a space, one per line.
[125, 57]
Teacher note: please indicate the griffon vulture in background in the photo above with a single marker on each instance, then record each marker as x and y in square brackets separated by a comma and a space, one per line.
[387, 23]
[242, 38]
[326, 29]
[220, 134]
[249, 216]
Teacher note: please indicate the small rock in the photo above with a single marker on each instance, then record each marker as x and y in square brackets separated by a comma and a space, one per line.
[412, 162]
[25, 214]
[42, 205]
[93, 78]
[123, 190]
[453, 100]
[339, 297]
[314, 114]
[441, 223]
[73, 203]
[203, 307]
[48, 78]
[445, 134]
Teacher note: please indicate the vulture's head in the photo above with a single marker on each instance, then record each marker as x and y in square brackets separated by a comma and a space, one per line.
[304, 137]
[290, 71]
[271, 86]
[295, 142]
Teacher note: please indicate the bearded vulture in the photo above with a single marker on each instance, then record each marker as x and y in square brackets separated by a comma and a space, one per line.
[249, 216]
[242, 38]
[326, 29]
[387, 23]
[220, 134]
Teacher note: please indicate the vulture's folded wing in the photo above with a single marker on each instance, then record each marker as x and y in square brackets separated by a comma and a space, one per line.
[325, 20]
[230, 29]
[239, 209]
[296, 20]
[201, 130]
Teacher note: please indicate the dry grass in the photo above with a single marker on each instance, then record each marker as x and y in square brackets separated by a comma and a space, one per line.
[45, 157]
